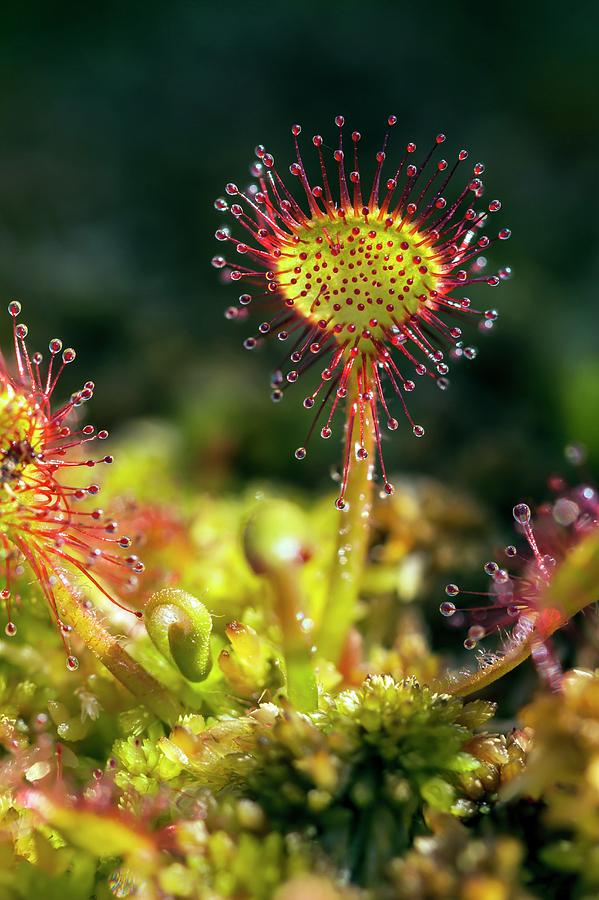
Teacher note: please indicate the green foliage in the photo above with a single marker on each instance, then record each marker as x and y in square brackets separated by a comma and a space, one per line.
[377, 756]
[563, 770]
[452, 864]
[286, 774]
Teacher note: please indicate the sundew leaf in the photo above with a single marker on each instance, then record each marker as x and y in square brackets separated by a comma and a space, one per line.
[574, 586]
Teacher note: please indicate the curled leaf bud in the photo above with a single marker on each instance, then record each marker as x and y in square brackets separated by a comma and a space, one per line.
[180, 627]
[276, 537]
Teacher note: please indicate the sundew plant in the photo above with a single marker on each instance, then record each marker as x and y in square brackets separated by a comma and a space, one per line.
[272, 692]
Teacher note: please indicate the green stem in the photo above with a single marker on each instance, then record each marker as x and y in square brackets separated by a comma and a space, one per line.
[276, 542]
[301, 683]
[124, 668]
[290, 605]
[351, 547]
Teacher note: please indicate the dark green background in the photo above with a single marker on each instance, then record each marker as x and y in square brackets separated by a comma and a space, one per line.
[121, 123]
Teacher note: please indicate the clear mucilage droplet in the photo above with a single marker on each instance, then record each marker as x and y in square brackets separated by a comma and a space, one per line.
[522, 513]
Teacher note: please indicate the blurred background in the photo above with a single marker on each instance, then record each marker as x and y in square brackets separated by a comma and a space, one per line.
[122, 122]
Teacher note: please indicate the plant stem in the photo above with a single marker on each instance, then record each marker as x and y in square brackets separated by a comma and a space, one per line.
[351, 546]
[111, 654]
[301, 683]
[290, 605]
